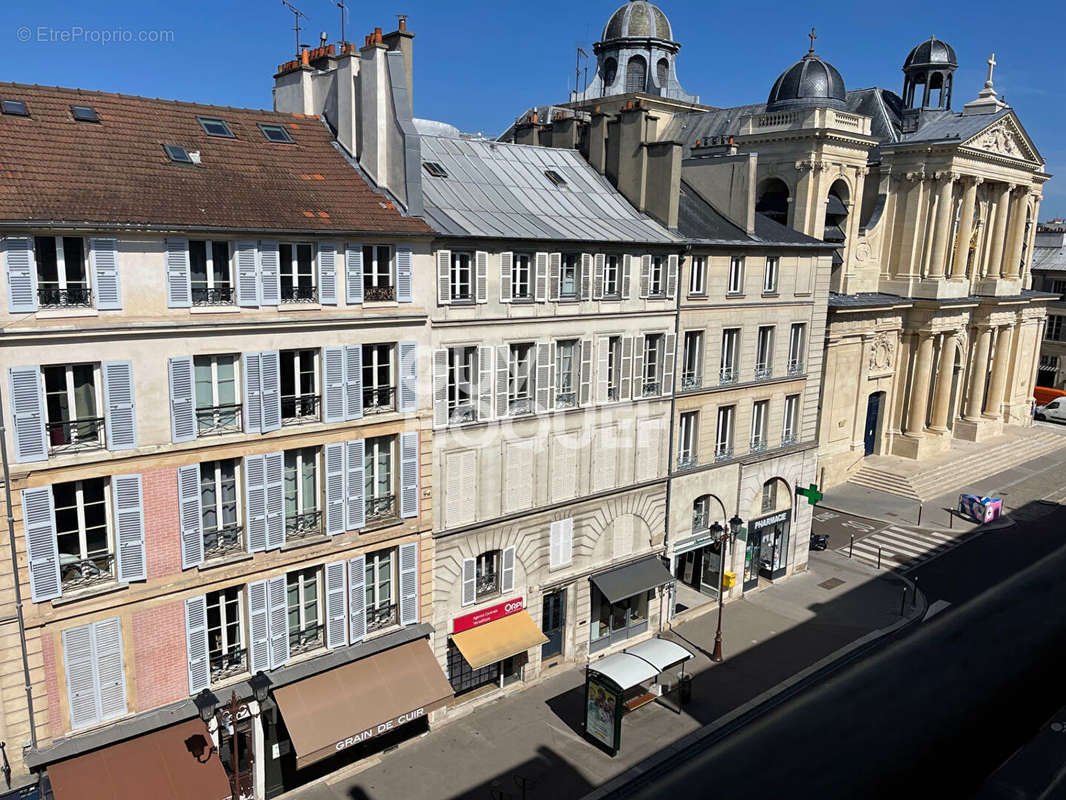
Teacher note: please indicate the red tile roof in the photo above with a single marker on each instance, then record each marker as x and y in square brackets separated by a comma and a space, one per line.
[115, 172]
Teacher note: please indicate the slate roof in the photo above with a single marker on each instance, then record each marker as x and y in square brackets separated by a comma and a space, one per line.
[700, 222]
[865, 300]
[115, 172]
[499, 190]
[1050, 258]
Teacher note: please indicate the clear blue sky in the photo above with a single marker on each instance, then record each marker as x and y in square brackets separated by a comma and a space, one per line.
[479, 63]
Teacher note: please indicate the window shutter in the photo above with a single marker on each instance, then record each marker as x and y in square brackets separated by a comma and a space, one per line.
[179, 279]
[404, 275]
[248, 277]
[79, 662]
[129, 525]
[645, 274]
[598, 281]
[182, 409]
[111, 676]
[444, 277]
[42, 550]
[484, 383]
[121, 416]
[440, 388]
[625, 389]
[27, 411]
[409, 474]
[255, 502]
[275, 499]
[190, 515]
[103, 257]
[585, 395]
[353, 273]
[543, 387]
[356, 511]
[603, 368]
[586, 276]
[507, 574]
[270, 390]
[667, 368]
[258, 628]
[21, 274]
[327, 273]
[279, 621]
[671, 274]
[251, 372]
[336, 606]
[503, 358]
[357, 599]
[566, 546]
[269, 260]
[554, 541]
[334, 488]
[333, 390]
[506, 265]
[408, 400]
[627, 268]
[469, 581]
[481, 263]
[409, 583]
[196, 644]
[638, 366]
[556, 261]
[353, 382]
[540, 292]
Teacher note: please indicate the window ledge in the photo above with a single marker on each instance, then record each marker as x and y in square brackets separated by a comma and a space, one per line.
[284, 307]
[65, 313]
[523, 301]
[308, 542]
[225, 561]
[734, 294]
[567, 300]
[771, 294]
[94, 591]
[610, 298]
[381, 524]
[214, 310]
[697, 295]
[462, 301]
[376, 304]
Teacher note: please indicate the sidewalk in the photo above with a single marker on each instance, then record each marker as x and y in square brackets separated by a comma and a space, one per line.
[534, 737]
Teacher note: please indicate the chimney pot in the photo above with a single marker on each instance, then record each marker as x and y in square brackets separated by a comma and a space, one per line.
[305, 57]
[403, 22]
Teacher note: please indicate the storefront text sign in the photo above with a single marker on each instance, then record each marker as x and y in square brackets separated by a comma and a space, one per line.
[490, 614]
[383, 727]
[766, 522]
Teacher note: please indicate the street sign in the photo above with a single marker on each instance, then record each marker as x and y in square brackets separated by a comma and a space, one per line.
[812, 494]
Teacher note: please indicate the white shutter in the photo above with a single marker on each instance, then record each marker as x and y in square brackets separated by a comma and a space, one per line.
[353, 382]
[274, 470]
[671, 274]
[481, 263]
[196, 644]
[638, 366]
[440, 388]
[129, 526]
[327, 273]
[355, 467]
[258, 628]
[110, 671]
[21, 270]
[27, 411]
[179, 280]
[103, 257]
[507, 573]
[333, 384]
[586, 276]
[404, 275]
[503, 358]
[554, 540]
[469, 582]
[603, 368]
[353, 274]
[248, 275]
[251, 372]
[120, 423]
[334, 488]
[645, 275]
[506, 265]
[79, 663]
[540, 289]
[42, 550]
[269, 278]
[585, 393]
[255, 515]
[566, 546]
[408, 399]
[484, 383]
[543, 387]
[336, 606]
[279, 621]
[182, 408]
[357, 599]
[627, 269]
[190, 516]
[598, 281]
[408, 583]
[555, 277]
[270, 390]
[667, 369]
[625, 390]
[409, 474]
[444, 277]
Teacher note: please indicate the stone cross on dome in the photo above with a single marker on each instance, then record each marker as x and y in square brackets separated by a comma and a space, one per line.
[991, 65]
[812, 36]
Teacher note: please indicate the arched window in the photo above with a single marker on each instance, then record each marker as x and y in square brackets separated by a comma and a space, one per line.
[610, 71]
[835, 228]
[773, 200]
[701, 513]
[636, 74]
[662, 72]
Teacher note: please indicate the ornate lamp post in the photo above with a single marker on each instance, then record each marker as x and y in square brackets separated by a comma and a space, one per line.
[722, 536]
[208, 706]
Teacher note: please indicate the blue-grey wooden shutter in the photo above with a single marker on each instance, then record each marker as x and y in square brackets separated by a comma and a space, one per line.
[251, 371]
[269, 274]
[356, 507]
[336, 606]
[103, 257]
[353, 382]
[440, 388]
[129, 526]
[27, 411]
[42, 550]
[507, 573]
[21, 274]
[190, 516]
[404, 275]
[409, 474]
[334, 488]
[270, 391]
[671, 274]
[408, 400]
[279, 621]
[469, 582]
[196, 643]
[444, 277]
[79, 663]
[409, 583]
[275, 499]
[327, 273]
[120, 422]
[248, 274]
[182, 407]
[333, 384]
[357, 599]
[258, 627]
[353, 274]
[255, 502]
[179, 279]
[110, 672]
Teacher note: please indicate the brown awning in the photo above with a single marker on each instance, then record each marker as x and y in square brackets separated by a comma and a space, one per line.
[495, 641]
[162, 765]
[327, 713]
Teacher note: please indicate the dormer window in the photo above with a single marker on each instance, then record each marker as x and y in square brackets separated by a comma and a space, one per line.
[216, 127]
[555, 178]
[177, 154]
[84, 114]
[14, 108]
[435, 169]
[278, 134]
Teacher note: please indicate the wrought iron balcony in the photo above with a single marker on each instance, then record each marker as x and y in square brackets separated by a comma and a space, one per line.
[686, 461]
[66, 436]
[651, 389]
[723, 452]
[379, 617]
[299, 409]
[701, 520]
[795, 368]
[382, 507]
[487, 584]
[79, 573]
[758, 444]
[763, 371]
[212, 296]
[224, 541]
[227, 664]
[299, 294]
[460, 413]
[378, 400]
[215, 420]
[727, 375]
[303, 526]
[310, 638]
[788, 439]
[379, 294]
[566, 399]
[690, 381]
[612, 394]
[517, 406]
[50, 296]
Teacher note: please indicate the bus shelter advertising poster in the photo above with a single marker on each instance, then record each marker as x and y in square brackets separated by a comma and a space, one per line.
[601, 715]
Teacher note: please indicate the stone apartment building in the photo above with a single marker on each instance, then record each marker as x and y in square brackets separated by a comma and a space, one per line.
[1049, 275]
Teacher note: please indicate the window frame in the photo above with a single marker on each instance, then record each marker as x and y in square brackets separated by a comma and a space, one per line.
[82, 529]
[568, 381]
[304, 578]
[238, 405]
[569, 264]
[764, 352]
[692, 373]
[217, 480]
[771, 275]
[372, 448]
[379, 283]
[487, 558]
[211, 280]
[229, 596]
[372, 587]
[728, 371]
[291, 271]
[301, 507]
[1056, 328]
[760, 412]
[612, 276]
[651, 380]
[697, 284]
[298, 398]
[735, 284]
[372, 388]
[462, 358]
[688, 439]
[521, 402]
[725, 432]
[797, 340]
[275, 126]
[227, 131]
[522, 262]
[614, 367]
[64, 282]
[71, 425]
[657, 277]
[462, 276]
[790, 421]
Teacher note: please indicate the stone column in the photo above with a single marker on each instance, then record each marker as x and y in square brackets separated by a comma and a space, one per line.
[999, 232]
[978, 370]
[1013, 254]
[962, 244]
[942, 232]
[1000, 365]
[919, 399]
[945, 374]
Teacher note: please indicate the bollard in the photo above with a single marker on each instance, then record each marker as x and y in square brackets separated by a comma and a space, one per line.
[914, 597]
[851, 547]
[903, 602]
[879, 558]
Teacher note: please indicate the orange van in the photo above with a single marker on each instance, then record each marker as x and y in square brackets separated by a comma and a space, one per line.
[1045, 394]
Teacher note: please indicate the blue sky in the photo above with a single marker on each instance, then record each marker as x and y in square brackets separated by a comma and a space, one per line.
[478, 64]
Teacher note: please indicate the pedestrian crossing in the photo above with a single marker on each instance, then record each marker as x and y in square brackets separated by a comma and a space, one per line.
[901, 548]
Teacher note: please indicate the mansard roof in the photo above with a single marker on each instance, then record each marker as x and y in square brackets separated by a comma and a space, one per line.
[701, 223]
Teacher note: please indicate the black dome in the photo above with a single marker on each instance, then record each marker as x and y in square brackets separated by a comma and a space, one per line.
[808, 83]
[931, 53]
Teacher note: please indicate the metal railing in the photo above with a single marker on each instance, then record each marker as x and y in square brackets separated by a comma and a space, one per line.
[566, 399]
[228, 663]
[723, 452]
[701, 520]
[651, 389]
[224, 541]
[612, 394]
[686, 461]
[378, 400]
[517, 406]
[727, 375]
[303, 526]
[795, 368]
[381, 507]
[79, 573]
[379, 294]
[304, 641]
[214, 420]
[378, 617]
[460, 413]
[69, 435]
[487, 584]
[299, 294]
[72, 296]
[212, 296]
[758, 444]
[788, 439]
[691, 380]
[299, 409]
[763, 371]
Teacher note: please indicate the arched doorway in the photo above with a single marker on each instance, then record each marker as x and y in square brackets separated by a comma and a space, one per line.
[766, 551]
[698, 559]
[773, 200]
[871, 433]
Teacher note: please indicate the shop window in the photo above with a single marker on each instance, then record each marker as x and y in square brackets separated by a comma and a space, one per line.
[225, 634]
[219, 509]
[304, 602]
[487, 572]
[615, 622]
[297, 270]
[303, 517]
[465, 679]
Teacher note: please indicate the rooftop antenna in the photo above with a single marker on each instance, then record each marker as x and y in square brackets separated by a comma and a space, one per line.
[344, 13]
[296, 13]
[577, 67]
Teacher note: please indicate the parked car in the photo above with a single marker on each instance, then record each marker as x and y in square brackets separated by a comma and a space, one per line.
[819, 541]
[1055, 411]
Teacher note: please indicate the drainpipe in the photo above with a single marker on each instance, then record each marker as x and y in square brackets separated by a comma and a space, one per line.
[678, 345]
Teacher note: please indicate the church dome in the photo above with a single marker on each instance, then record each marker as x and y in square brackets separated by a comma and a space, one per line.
[638, 19]
[931, 53]
[808, 83]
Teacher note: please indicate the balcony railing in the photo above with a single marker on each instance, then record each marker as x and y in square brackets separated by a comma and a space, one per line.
[758, 444]
[516, 406]
[612, 394]
[310, 638]
[795, 368]
[382, 507]
[212, 296]
[379, 617]
[224, 541]
[79, 573]
[788, 438]
[67, 436]
[378, 400]
[460, 413]
[690, 381]
[299, 294]
[487, 584]
[701, 520]
[299, 409]
[303, 526]
[686, 461]
[651, 389]
[379, 294]
[763, 371]
[566, 399]
[727, 375]
[215, 420]
[227, 664]
[723, 452]
[72, 296]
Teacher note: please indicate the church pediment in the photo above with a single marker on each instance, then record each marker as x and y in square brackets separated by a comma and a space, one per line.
[1005, 137]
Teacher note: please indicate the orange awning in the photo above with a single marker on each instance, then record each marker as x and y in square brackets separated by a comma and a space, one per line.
[494, 641]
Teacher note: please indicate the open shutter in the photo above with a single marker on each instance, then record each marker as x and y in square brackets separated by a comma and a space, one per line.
[21, 274]
[182, 409]
[190, 515]
[255, 502]
[409, 474]
[469, 581]
[554, 538]
[103, 258]
[269, 260]
[541, 283]
[258, 628]
[668, 365]
[129, 525]
[42, 550]
[404, 275]
[506, 265]
[275, 499]
[586, 276]
[409, 583]
[336, 606]
[27, 411]
[334, 488]
[248, 276]
[481, 276]
[120, 422]
[543, 387]
[625, 391]
[357, 599]
[279, 621]
[353, 382]
[179, 280]
[440, 388]
[556, 262]
[484, 383]
[507, 573]
[566, 541]
[111, 675]
[627, 269]
[444, 277]
[597, 284]
[356, 511]
[603, 368]
[327, 273]
[196, 643]
[503, 358]
[79, 662]
[251, 372]
[270, 390]
[671, 274]
[333, 390]
[408, 400]
[585, 395]
[353, 273]
[645, 275]
[638, 367]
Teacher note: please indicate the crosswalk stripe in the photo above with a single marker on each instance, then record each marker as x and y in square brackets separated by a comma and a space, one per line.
[900, 548]
[909, 545]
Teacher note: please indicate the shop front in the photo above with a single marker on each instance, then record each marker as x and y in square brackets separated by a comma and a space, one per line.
[697, 563]
[620, 598]
[770, 538]
[488, 649]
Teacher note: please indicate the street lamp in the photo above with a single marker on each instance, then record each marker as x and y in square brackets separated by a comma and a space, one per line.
[208, 706]
[720, 535]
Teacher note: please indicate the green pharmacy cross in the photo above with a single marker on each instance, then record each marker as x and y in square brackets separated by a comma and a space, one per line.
[812, 494]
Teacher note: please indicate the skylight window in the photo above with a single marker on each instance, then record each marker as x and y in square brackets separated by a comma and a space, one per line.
[84, 113]
[278, 134]
[178, 154]
[14, 108]
[555, 177]
[435, 169]
[216, 127]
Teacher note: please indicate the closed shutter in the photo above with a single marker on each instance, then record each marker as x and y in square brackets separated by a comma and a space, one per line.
[626, 387]
[27, 411]
[42, 550]
[275, 499]
[251, 372]
[129, 524]
[269, 274]
[408, 400]
[671, 274]
[404, 275]
[336, 606]
[409, 474]
[484, 383]
[597, 285]
[481, 276]
[556, 262]
[444, 277]
[111, 675]
[469, 582]
[667, 368]
[627, 269]
[327, 273]
[21, 274]
[182, 409]
[179, 281]
[554, 539]
[506, 265]
[645, 275]
[270, 390]
[585, 395]
[279, 621]
[120, 422]
[507, 573]
[440, 388]
[357, 599]
[255, 502]
[566, 545]
[586, 276]
[190, 516]
[353, 382]
[638, 367]
[356, 511]
[248, 276]
[79, 662]
[409, 583]
[540, 290]
[353, 274]
[503, 357]
[543, 385]
[334, 488]
[333, 384]
[196, 644]
[103, 258]
[603, 368]
[258, 628]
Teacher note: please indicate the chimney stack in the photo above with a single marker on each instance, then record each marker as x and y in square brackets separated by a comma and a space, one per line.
[400, 40]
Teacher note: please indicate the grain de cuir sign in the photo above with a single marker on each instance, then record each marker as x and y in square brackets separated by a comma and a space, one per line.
[490, 614]
[381, 728]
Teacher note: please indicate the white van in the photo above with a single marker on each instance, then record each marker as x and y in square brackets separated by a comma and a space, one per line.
[1055, 411]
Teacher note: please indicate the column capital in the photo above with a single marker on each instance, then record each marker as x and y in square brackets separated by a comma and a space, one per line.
[918, 175]
[947, 176]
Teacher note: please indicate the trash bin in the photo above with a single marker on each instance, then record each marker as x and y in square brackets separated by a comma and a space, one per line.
[685, 690]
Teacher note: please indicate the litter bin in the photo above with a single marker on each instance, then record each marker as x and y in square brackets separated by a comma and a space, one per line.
[685, 690]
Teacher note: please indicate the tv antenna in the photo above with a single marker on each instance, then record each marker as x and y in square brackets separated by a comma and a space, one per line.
[344, 12]
[296, 13]
[577, 68]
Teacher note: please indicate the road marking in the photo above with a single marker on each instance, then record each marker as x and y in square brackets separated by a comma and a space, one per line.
[936, 608]
[901, 548]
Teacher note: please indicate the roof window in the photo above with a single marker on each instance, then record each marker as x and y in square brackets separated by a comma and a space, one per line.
[278, 134]
[435, 169]
[14, 108]
[216, 127]
[555, 177]
[84, 113]
[178, 154]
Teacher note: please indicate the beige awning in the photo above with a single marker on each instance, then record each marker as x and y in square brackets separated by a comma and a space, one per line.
[495, 641]
[332, 711]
